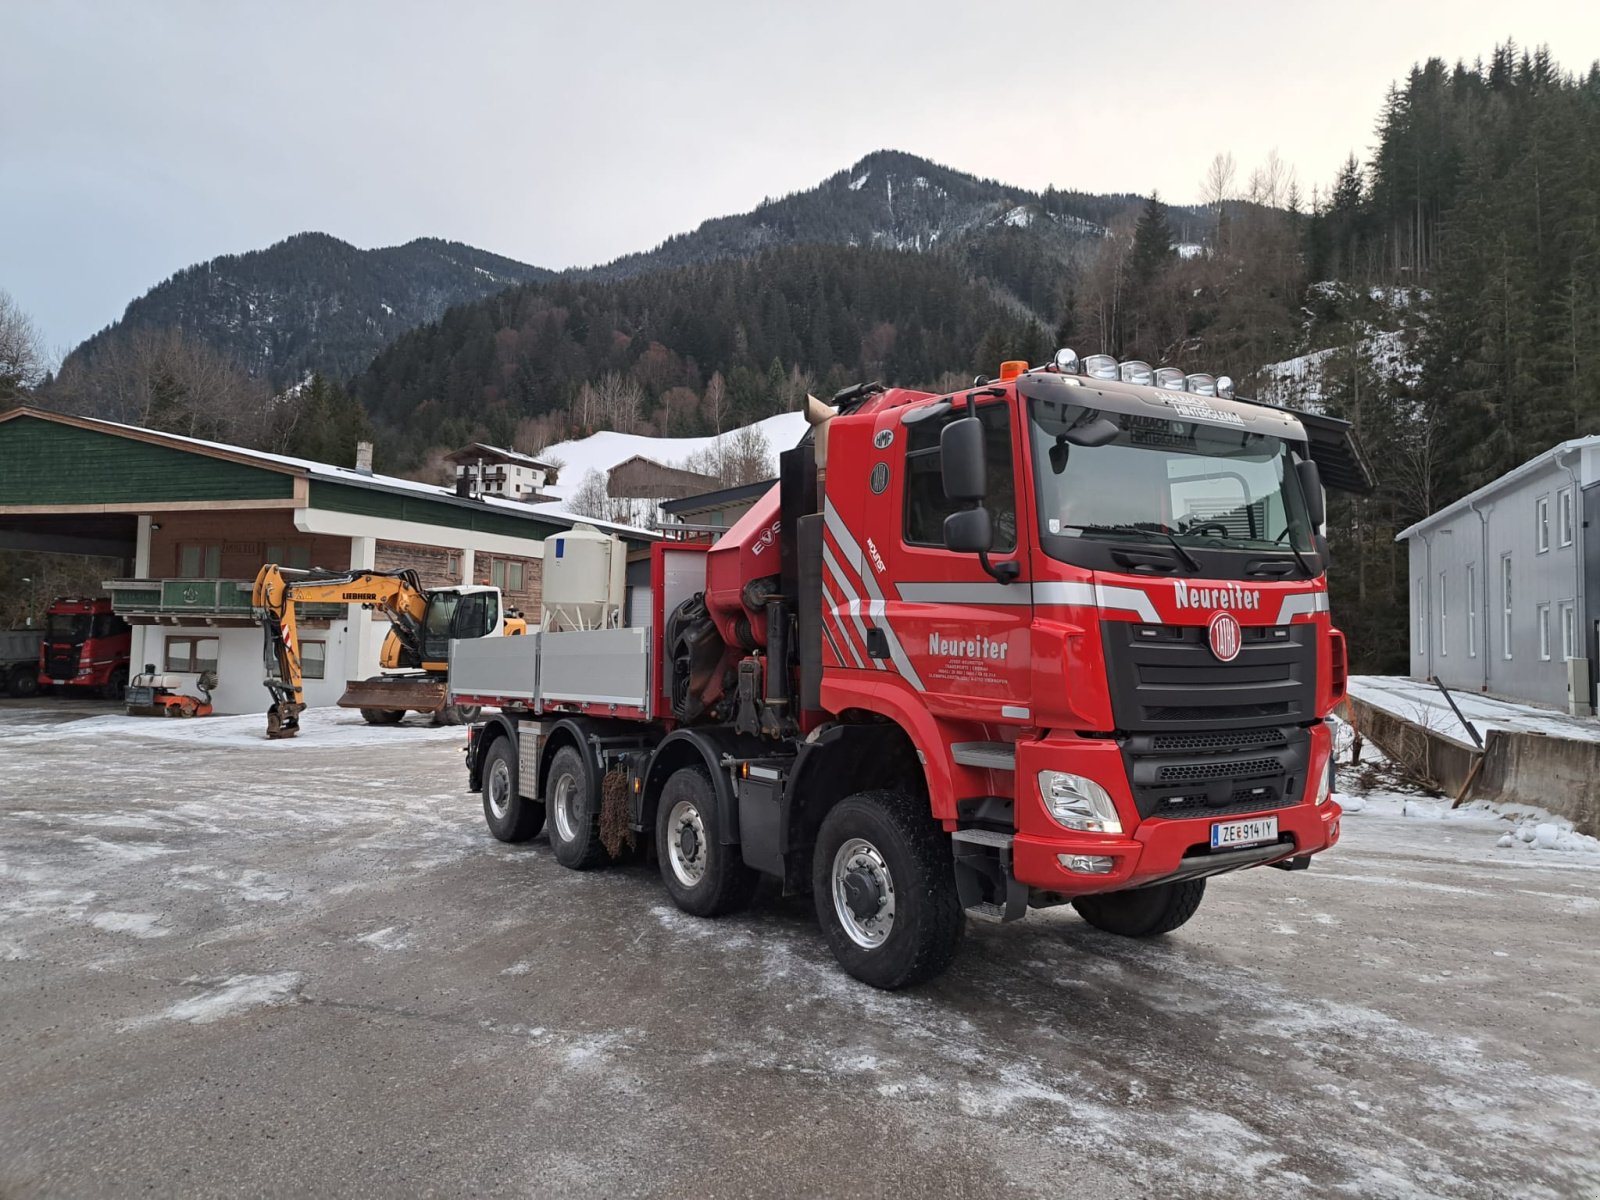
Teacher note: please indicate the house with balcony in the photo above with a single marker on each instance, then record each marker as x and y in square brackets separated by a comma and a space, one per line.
[193, 521]
[484, 470]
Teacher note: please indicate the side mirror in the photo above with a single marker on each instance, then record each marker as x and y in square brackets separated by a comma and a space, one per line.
[961, 461]
[1311, 485]
[969, 531]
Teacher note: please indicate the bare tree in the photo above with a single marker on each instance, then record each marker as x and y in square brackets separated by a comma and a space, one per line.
[748, 458]
[591, 498]
[22, 357]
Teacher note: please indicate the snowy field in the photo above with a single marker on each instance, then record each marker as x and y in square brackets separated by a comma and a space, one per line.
[229, 965]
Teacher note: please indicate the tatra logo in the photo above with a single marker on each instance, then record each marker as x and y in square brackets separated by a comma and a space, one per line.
[1228, 596]
[1225, 636]
[978, 647]
[768, 536]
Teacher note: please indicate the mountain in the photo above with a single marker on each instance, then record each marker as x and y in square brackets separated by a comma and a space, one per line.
[1016, 239]
[313, 302]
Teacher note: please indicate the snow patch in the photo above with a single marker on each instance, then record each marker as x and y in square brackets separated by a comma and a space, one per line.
[1019, 217]
[140, 925]
[235, 994]
[860, 181]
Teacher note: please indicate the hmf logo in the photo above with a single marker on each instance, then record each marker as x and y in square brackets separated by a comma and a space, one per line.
[768, 536]
[1226, 596]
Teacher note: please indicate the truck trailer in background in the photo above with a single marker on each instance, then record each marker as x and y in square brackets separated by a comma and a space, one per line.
[1061, 637]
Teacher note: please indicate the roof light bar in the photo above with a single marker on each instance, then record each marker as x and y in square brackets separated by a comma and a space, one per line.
[1170, 378]
[1200, 384]
[1225, 386]
[1067, 360]
[1101, 366]
[1134, 371]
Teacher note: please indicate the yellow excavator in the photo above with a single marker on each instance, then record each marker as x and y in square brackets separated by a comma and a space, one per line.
[416, 650]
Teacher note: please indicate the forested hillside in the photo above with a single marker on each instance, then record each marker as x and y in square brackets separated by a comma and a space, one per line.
[311, 303]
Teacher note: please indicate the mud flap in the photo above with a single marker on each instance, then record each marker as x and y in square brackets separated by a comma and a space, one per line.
[984, 880]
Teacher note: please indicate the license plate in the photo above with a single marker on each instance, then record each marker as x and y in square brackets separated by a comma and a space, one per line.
[1230, 835]
[141, 695]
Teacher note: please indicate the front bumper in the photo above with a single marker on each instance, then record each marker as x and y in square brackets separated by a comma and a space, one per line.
[1151, 849]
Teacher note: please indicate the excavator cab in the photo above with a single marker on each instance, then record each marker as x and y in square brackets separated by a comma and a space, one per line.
[457, 612]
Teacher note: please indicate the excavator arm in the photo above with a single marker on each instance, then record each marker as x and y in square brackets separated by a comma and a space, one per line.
[399, 595]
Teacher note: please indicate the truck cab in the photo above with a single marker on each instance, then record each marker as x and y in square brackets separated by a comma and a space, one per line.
[86, 645]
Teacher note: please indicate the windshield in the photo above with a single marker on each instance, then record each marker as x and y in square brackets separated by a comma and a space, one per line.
[441, 609]
[1202, 485]
[68, 627]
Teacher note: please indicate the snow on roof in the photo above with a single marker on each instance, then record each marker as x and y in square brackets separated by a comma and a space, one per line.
[484, 450]
[603, 451]
[1495, 486]
[553, 513]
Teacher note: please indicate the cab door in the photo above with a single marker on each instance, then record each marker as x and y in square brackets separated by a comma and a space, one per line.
[963, 634]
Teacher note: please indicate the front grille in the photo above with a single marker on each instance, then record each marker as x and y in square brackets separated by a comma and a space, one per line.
[1193, 775]
[62, 664]
[1166, 678]
[1222, 768]
[1222, 739]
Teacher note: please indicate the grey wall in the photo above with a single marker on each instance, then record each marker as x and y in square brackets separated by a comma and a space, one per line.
[1440, 642]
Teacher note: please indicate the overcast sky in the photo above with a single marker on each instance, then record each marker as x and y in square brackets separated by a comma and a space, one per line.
[136, 139]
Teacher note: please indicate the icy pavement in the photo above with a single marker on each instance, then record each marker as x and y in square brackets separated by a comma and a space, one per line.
[296, 968]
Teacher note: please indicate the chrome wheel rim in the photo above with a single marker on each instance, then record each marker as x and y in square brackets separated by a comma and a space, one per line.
[566, 807]
[686, 843]
[863, 893]
[499, 789]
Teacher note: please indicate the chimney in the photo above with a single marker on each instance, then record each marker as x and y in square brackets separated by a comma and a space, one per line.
[364, 457]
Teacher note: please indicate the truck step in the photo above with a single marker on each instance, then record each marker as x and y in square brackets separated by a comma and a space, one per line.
[995, 914]
[996, 756]
[984, 837]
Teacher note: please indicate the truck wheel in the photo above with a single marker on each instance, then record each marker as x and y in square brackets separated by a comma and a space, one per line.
[703, 876]
[23, 682]
[512, 817]
[383, 716]
[885, 889]
[1143, 912]
[574, 816]
[116, 687]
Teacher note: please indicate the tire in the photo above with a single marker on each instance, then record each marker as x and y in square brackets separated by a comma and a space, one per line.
[383, 716]
[511, 817]
[116, 687]
[23, 682]
[574, 817]
[887, 842]
[456, 714]
[1144, 912]
[703, 876]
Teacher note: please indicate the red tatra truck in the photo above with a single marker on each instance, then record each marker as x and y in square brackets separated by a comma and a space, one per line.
[1062, 637]
[86, 645]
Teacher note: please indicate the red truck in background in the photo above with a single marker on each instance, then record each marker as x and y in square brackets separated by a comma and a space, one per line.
[1060, 637]
[86, 645]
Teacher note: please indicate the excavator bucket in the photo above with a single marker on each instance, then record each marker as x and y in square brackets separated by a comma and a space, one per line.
[395, 693]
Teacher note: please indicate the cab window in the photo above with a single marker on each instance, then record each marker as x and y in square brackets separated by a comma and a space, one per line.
[925, 504]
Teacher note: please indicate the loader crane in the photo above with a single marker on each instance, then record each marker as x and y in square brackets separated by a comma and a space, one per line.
[416, 650]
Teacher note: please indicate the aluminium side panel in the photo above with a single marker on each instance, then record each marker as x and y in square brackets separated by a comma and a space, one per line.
[596, 666]
[497, 666]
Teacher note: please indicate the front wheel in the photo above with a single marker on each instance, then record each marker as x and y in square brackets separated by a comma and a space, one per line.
[383, 716]
[1144, 912]
[885, 889]
[23, 681]
[456, 714]
[116, 687]
[703, 876]
[574, 817]
[511, 816]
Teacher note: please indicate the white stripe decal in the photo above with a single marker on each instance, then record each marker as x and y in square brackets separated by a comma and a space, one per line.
[997, 594]
[837, 609]
[841, 583]
[847, 543]
[1302, 604]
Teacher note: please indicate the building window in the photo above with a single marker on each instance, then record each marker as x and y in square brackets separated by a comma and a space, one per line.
[1505, 606]
[1567, 616]
[313, 659]
[1542, 613]
[1472, 610]
[1564, 521]
[1422, 617]
[1444, 619]
[298, 557]
[506, 574]
[1541, 523]
[199, 562]
[191, 654]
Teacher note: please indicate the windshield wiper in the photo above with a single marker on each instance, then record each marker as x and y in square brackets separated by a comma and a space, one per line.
[1295, 550]
[1125, 530]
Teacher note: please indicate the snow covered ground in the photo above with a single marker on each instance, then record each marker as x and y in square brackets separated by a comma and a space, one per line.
[1419, 701]
[304, 968]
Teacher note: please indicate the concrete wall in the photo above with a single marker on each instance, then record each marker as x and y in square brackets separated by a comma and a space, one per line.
[240, 668]
[1561, 775]
[1457, 593]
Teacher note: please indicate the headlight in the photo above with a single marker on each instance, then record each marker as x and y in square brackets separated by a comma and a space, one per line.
[1325, 787]
[1078, 803]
